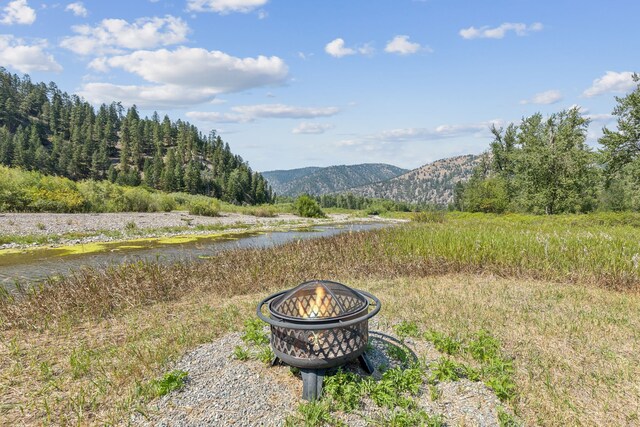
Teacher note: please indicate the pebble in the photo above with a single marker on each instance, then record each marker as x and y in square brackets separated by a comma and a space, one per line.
[222, 391]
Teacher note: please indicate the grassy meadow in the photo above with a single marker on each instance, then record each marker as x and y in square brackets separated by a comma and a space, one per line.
[560, 295]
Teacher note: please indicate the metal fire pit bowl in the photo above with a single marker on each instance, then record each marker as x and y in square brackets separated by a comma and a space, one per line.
[319, 325]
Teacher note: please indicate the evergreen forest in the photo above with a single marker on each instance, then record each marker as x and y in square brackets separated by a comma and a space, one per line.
[45, 129]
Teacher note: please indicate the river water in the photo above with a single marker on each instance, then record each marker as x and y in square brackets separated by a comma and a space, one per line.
[35, 265]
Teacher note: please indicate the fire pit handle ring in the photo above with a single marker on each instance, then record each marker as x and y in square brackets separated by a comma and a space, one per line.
[319, 325]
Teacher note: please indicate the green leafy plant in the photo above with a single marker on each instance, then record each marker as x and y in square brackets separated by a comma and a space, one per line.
[406, 329]
[265, 355]
[483, 346]
[310, 414]
[443, 343]
[398, 353]
[80, 362]
[344, 389]
[506, 419]
[254, 332]
[241, 353]
[169, 382]
[413, 418]
[445, 369]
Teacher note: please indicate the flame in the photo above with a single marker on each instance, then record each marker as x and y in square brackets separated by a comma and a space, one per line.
[319, 307]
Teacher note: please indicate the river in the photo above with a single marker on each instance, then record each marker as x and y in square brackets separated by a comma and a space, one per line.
[37, 264]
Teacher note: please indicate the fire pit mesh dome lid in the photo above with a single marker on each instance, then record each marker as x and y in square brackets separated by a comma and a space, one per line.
[318, 300]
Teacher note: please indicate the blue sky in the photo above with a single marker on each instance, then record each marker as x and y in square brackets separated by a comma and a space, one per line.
[315, 83]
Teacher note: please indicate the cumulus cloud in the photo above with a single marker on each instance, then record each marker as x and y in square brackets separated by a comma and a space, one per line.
[249, 113]
[284, 111]
[224, 7]
[77, 9]
[602, 117]
[307, 128]
[111, 36]
[18, 12]
[402, 46]
[24, 57]
[611, 82]
[544, 98]
[337, 49]
[422, 134]
[499, 32]
[184, 76]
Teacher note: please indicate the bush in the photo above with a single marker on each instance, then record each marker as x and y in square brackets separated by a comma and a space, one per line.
[307, 207]
[204, 206]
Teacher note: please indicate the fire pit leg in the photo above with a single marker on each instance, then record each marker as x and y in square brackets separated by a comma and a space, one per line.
[276, 361]
[365, 364]
[312, 383]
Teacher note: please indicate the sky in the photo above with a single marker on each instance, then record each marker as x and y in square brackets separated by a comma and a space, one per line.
[296, 83]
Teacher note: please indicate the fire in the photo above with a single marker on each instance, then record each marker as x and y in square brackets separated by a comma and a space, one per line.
[319, 307]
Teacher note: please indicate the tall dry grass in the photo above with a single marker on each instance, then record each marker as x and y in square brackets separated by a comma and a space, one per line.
[599, 256]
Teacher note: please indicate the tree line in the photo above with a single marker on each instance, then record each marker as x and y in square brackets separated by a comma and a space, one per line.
[544, 165]
[45, 129]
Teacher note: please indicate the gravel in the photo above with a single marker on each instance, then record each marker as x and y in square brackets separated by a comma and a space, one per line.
[146, 224]
[222, 391]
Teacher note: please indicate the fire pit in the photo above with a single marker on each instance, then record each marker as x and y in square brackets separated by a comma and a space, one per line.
[319, 325]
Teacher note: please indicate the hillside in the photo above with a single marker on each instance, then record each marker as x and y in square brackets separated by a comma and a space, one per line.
[50, 131]
[332, 179]
[431, 183]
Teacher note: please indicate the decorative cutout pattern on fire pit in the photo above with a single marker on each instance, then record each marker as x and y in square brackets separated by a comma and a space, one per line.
[323, 344]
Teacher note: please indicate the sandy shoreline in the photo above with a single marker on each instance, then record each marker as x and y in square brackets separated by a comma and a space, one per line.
[107, 227]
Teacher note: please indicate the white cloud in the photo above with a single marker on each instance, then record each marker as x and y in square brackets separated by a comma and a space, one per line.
[263, 14]
[224, 7]
[603, 117]
[284, 111]
[611, 82]
[77, 9]
[208, 116]
[146, 96]
[249, 113]
[196, 67]
[307, 128]
[402, 46]
[18, 12]
[421, 134]
[26, 58]
[499, 32]
[544, 98]
[337, 49]
[113, 35]
[184, 76]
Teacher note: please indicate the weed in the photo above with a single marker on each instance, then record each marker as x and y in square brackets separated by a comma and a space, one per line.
[483, 347]
[40, 226]
[398, 353]
[254, 332]
[80, 361]
[265, 354]
[414, 418]
[169, 382]
[506, 419]
[443, 343]
[344, 389]
[45, 371]
[434, 392]
[445, 369]
[406, 329]
[310, 414]
[241, 353]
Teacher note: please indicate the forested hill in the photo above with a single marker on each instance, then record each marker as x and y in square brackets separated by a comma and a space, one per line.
[432, 183]
[45, 129]
[332, 179]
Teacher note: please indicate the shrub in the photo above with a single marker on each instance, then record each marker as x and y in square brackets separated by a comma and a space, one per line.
[204, 206]
[429, 216]
[307, 207]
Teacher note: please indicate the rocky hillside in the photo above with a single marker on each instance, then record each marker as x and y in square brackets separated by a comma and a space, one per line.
[431, 183]
[332, 179]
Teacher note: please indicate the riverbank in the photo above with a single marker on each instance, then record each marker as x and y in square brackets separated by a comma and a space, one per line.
[19, 231]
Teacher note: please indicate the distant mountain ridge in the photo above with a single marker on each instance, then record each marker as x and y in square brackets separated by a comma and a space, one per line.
[333, 179]
[432, 183]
